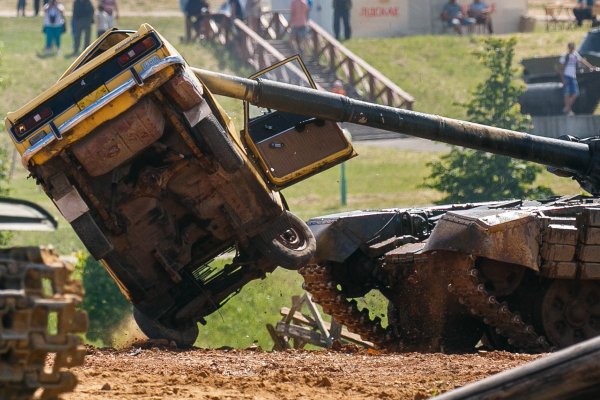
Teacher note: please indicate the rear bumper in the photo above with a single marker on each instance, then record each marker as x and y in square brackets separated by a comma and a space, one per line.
[137, 79]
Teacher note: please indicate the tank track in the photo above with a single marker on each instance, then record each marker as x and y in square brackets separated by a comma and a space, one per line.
[319, 282]
[38, 322]
[466, 283]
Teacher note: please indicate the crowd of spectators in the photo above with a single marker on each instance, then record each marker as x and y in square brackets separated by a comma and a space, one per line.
[84, 14]
[459, 18]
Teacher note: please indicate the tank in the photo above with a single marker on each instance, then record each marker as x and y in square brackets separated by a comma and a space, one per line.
[142, 161]
[39, 305]
[516, 275]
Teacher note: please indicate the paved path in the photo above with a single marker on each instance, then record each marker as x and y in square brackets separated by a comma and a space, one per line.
[408, 143]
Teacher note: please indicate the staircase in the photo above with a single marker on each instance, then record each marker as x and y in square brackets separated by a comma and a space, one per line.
[322, 76]
[326, 59]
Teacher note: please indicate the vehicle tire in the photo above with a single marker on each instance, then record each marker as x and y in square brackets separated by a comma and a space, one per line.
[38, 304]
[184, 336]
[210, 132]
[288, 242]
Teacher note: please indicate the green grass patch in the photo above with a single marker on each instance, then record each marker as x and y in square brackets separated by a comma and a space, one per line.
[441, 71]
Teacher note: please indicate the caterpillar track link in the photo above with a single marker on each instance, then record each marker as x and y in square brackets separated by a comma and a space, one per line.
[39, 322]
[319, 282]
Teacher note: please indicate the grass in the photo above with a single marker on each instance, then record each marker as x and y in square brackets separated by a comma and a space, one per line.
[439, 71]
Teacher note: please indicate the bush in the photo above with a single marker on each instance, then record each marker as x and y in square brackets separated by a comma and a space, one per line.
[105, 304]
[469, 175]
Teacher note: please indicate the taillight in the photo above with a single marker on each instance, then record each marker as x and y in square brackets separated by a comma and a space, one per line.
[136, 51]
[31, 122]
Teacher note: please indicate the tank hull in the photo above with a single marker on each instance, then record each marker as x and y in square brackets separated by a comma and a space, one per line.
[519, 275]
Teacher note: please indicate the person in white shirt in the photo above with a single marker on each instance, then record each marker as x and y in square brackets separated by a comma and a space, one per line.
[54, 25]
[568, 74]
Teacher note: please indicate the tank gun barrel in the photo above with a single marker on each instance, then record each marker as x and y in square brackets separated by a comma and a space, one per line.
[572, 157]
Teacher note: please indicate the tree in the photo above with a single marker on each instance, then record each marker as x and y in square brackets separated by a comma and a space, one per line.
[103, 301]
[470, 175]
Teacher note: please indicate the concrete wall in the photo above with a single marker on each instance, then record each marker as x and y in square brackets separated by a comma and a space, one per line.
[578, 125]
[389, 18]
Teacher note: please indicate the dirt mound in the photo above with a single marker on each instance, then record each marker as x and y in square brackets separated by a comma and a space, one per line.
[152, 371]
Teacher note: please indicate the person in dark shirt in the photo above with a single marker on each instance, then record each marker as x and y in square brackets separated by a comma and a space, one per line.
[236, 9]
[83, 18]
[583, 11]
[195, 10]
[341, 12]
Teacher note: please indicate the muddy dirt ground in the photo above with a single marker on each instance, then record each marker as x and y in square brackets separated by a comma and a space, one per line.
[150, 372]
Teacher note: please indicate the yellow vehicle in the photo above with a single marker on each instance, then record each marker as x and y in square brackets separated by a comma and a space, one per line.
[148, 169]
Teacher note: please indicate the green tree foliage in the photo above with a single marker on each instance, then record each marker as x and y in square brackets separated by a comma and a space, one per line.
[469, 175]
[104, 303]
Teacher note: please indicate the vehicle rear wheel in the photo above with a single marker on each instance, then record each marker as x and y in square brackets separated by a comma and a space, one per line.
[183, 336]
[288, 242]
[210, 132]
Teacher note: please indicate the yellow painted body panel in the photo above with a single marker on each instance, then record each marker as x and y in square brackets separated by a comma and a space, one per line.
[111, 110]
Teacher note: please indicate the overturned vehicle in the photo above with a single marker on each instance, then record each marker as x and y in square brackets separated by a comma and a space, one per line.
[149, 171]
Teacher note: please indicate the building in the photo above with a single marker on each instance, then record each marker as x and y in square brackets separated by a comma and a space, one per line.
[389, 18]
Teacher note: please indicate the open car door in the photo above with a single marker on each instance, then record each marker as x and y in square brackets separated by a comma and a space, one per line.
[291, 147]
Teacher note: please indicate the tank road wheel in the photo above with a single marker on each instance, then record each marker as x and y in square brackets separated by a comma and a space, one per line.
[210, 132]
[184, 336]
[288, 242]
[570, 311]
[38, 321]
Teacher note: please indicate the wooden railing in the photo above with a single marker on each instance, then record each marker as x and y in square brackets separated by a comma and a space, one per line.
[252, 48]
[370, 84]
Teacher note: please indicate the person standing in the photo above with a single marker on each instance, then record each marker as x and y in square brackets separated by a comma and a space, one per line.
[195, 11]
[341, 12]
[36, 7]
[83, 18]
[188, 24]
[21, 7]
[568, 74]
[253, 13]
[54, 25]
[299, 23]
[105, 18]
[236, 9]
[111, 8]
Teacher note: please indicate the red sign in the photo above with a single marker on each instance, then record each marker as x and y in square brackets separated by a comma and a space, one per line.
[374, 12]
